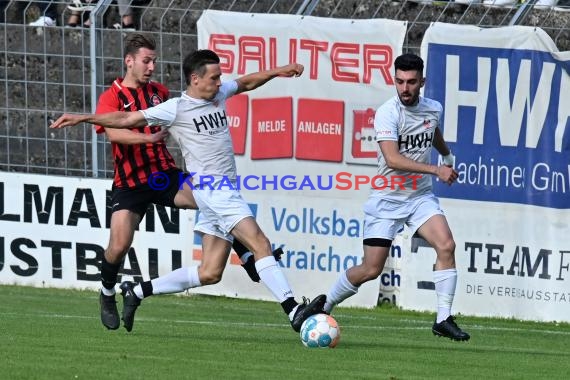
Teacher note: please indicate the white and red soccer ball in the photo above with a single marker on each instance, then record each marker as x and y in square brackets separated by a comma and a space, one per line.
[320, 331]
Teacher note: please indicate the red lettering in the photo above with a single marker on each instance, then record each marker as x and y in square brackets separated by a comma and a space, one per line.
[383, 64]
[251, 49]
[337, 61]
[314, 48]
[360, 180]
[272, 53]
[350, 62]
[375, 179]
[292, 50]
[398, 180]
[415, 179]
[226, 56]
[339, 178]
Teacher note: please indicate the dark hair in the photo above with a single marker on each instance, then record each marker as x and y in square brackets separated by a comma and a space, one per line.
[196, 62]
[408, 61]
[136, 41]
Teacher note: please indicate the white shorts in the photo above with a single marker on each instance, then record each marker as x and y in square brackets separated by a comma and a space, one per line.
[220, 211]
[385, 218]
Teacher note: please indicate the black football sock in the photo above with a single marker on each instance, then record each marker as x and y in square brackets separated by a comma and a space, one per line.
[288, 305]
[146, 287]
[239, 248]
[109, 274]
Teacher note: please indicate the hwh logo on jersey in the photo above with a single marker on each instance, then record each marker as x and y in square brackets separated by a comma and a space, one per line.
[420, 140]
[212, 120]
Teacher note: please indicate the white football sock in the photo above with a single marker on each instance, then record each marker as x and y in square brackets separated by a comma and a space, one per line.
[292, 313]
[272, 277]
[341, 290]
[107, 292]
[445, 283]
[138, 291]
[173, 282]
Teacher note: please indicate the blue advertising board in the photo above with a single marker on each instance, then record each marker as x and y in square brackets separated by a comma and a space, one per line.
[507, 120]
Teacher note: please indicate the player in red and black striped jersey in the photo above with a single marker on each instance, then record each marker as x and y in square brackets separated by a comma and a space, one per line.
[145, 171]
[134, 159]
[140, 160]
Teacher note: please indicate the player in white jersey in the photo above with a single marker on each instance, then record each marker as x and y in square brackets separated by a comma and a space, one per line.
[407, 126]
[198, 122]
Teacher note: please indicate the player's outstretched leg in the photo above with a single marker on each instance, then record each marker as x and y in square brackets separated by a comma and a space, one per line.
[449, 329]
[249, 261]
[249, 265]
[305, 310]
[109, 312]
[130, 304]
[277, 253]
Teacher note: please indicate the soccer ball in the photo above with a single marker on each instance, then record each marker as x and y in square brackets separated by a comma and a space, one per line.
[320, 331]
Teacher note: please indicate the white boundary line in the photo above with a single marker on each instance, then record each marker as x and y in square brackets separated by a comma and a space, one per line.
[424, 324]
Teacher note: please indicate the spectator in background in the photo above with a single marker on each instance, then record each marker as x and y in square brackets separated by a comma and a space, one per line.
[540, 4]
[500, 3]
[48, 14]
[546, 4]
[562, 6]
[79, 6]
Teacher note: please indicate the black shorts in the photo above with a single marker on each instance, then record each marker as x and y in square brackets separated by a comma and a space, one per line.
[137, 199]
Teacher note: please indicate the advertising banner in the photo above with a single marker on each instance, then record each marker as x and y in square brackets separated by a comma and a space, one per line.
[348, 73]
[506, 112]
[54, 231]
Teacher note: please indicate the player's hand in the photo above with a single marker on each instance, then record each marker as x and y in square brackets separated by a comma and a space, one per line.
[446, 174]
[158, 136]
[291, 70]
[66, 120]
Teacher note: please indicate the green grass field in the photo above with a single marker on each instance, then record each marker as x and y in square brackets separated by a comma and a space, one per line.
[56, 334]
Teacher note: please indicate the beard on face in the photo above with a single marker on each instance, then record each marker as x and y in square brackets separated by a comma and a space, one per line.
[410, 100]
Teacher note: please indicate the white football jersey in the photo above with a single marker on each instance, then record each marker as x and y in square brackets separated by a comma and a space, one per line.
[201, 129]
[413, 128]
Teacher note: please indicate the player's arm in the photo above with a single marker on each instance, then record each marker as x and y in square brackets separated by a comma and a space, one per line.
[440, 145]
[110, 102]
[128, 137]
[397, 161]
[386, 128]
[117, 119]
[252, 81]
